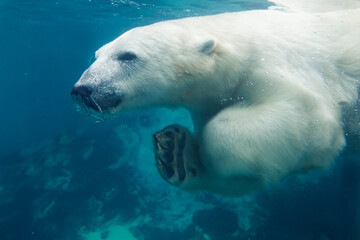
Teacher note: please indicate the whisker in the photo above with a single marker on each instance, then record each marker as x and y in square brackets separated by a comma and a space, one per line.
[97, 105]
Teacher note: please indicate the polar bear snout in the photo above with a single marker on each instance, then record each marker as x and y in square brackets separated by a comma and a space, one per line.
[88, 100]
[84, 91]
[81, 96]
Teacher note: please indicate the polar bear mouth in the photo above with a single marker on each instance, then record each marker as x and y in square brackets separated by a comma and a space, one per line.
[96, 106]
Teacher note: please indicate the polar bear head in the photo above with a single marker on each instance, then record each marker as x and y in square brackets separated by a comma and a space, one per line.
[156, 65]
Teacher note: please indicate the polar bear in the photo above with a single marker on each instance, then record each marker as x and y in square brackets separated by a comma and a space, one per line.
[266, 89]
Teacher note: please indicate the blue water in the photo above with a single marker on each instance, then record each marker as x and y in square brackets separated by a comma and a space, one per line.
[62, 176]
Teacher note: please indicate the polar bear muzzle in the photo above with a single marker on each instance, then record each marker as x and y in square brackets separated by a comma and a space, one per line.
[95, 105]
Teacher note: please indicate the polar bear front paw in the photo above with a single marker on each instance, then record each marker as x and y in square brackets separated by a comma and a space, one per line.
[176, 155]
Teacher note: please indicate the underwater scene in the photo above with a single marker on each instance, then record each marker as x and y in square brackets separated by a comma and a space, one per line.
[68, 176]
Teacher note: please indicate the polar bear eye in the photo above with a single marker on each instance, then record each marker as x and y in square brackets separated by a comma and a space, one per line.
[126, 56]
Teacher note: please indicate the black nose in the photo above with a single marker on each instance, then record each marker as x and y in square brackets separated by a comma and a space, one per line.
[82, 95]
[84, 91]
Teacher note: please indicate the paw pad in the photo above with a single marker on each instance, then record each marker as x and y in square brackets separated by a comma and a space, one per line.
[169, 145]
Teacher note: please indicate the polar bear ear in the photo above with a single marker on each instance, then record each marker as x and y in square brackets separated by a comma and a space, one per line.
[207, 47]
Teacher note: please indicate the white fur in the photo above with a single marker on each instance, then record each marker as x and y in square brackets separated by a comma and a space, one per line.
[264, 87]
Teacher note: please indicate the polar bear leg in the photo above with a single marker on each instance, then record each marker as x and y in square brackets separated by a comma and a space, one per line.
[176, 155]
[178, 162]
[245, 148]
[270, 140]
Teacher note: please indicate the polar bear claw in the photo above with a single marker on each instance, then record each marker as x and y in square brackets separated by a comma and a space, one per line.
[174, 161]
